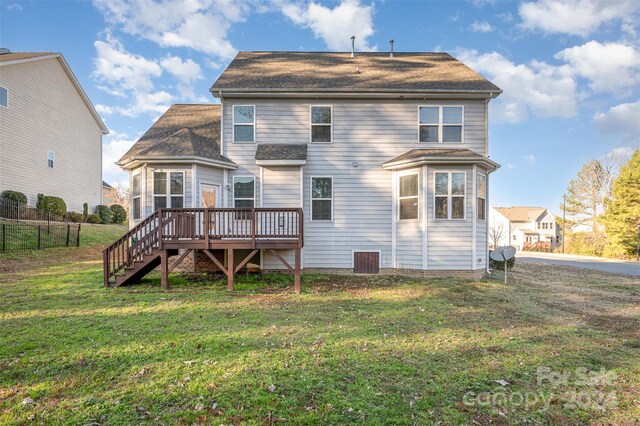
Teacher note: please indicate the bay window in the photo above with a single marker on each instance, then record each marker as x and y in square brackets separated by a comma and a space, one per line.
[136, 200]
[408, 196]
[168, 190]
[482, 196]
[449, 200]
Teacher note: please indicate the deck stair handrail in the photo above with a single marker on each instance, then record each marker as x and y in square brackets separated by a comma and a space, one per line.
[204, 225]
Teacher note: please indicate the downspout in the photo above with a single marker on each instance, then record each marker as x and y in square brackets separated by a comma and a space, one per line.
[487, 206]
[221, 123]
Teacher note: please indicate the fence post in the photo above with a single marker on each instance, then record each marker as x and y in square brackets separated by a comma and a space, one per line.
[68, 232]
[78, 239]
[38, 237]
[4, 237]
[48, 223]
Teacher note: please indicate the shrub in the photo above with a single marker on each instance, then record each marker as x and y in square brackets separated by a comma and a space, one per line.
[76, 217]
[93, 218]
[499, 265]
[103, 213]
[54, 205]
[15, 196]
[85, 211]
[118, 213]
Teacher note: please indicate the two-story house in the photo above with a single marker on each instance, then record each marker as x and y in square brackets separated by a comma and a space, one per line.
[50, 133]
[386, 156]
[523, 227]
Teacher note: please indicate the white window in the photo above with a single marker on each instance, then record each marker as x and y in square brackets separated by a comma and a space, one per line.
[482, 196]
[51, 156]
[244, 120]
[441, 124]
[321, 198]
[450, 195]
[4, 97]
[244, 192]
[168, 190]
[408, 196]
[136, 203]
[321, 124]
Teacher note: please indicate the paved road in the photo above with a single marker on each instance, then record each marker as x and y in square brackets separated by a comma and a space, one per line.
[597, 263]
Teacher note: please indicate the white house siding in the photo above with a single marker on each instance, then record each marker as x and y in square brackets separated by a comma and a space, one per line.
[450, 244]
[47, 113]
[365, 135]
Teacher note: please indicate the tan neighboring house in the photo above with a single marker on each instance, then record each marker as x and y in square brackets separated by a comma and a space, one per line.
[522, 226]
[386, 155]
[50, 133]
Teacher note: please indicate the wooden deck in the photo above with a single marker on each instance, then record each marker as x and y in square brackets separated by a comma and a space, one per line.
[158, 237]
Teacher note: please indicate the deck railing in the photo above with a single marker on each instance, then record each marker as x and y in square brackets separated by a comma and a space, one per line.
[204, 226]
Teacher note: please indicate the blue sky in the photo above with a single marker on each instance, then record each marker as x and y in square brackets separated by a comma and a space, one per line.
[570, 69]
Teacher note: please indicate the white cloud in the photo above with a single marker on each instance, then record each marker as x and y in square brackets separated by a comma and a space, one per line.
[536, 88]
[335, 26]
[529, 158]
[505, 17]
[575, 17]
[104, 109]
[481, 27]
[186, 72]
[144, 102]
[202, 25]
[114, 147]
[609, 67]
[14, 7]
[623, 119]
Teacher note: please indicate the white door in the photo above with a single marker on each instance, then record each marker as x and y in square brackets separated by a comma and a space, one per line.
[209, 195]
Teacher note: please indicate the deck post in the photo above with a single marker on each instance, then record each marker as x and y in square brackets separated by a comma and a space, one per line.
[105, 267]
[230, 271]
[298, 272]
[164, 269]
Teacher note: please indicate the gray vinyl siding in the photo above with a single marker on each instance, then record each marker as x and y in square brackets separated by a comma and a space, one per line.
[47, 113]
[211, 175]
[365, 135]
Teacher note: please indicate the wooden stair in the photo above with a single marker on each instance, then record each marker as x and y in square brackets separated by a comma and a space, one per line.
[139, 268]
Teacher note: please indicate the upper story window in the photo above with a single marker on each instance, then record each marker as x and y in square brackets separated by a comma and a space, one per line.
[321, 198]
[136, 204]
[244, 192]
[482, 196]
[244, 123]
[51, 156]
[408, 196]
[321, 124]
[450, 195]
[440, 124]
[4, 97]
[168, 190]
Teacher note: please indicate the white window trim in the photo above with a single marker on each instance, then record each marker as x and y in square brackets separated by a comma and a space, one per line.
[449, 196]
[311, 199]
[440, 123]
[417, 196]
[484, 198]
[311, 124]
[168, 195]
[234, 124]
[233, 189]
[52, 159]
[136, 173]
[7, 106]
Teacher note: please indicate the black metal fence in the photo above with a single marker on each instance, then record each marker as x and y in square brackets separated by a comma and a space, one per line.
[27, 228]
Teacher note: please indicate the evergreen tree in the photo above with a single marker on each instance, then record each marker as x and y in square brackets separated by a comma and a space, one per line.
[623, 210]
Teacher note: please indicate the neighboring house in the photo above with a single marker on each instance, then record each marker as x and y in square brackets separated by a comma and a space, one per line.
[50, 133]
[521, 226]
[109, 194]
[387, 157]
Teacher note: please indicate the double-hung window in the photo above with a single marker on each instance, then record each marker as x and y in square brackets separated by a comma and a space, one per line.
[168, 190]
[136, 206]
[482, 196]
[441, 124]
[408, 196]
[321, 198]
[321, 124]
[244, 193]
[450, 195]
[51, 156]
[244, 123]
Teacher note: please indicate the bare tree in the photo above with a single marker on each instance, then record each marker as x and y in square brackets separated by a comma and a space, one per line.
[496, 233]
[118, 195]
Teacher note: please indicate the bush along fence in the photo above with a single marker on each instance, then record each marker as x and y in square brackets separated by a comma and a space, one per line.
[27, 228]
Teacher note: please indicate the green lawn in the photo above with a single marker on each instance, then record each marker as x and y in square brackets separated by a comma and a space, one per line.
[374, 350]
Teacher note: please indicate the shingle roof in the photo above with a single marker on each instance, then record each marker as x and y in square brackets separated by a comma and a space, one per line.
[183, 131]
[281, 151]
[435, 155]
[521, 213]
[6, 57]
[366, 72]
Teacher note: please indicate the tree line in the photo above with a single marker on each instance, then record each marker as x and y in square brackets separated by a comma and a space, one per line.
[602, 208]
